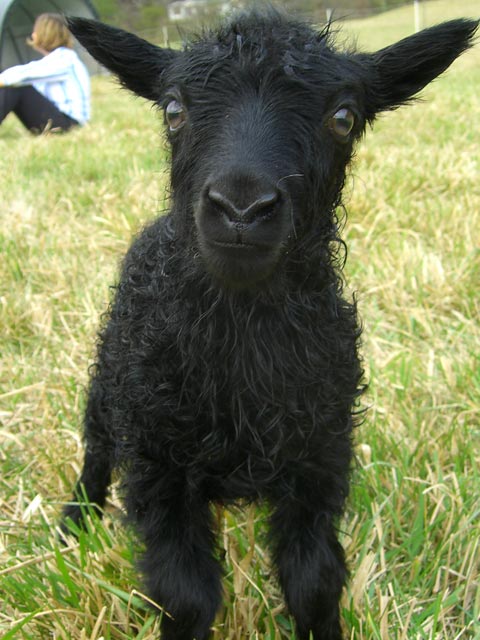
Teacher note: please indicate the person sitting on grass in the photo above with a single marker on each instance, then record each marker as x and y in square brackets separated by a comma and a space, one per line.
[53, 93]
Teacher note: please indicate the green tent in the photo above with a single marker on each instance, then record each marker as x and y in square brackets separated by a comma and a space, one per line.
[16, 23]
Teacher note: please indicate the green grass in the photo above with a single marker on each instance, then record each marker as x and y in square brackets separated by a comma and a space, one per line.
[384, 28]
[69, 207]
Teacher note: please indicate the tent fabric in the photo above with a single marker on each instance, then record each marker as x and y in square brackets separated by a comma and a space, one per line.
[16, 23]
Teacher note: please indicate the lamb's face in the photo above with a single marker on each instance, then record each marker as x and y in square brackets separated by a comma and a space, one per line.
[259, 154]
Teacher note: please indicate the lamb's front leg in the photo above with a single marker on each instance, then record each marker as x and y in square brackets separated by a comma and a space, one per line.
[98, 462]
[311, 566]
[180, 571]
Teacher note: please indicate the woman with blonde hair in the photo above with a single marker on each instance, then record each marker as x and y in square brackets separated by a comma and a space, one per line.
[52, 93]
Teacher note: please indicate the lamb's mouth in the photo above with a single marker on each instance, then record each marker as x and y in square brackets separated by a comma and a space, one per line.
[239, 265]
[239, 245]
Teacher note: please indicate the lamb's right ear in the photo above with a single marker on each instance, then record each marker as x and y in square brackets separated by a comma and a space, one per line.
[137, 63]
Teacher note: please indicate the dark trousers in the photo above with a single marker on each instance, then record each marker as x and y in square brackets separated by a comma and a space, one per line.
[33, 110]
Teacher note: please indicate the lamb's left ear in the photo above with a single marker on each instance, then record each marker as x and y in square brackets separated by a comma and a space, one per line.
[137, 63]
[401, 70]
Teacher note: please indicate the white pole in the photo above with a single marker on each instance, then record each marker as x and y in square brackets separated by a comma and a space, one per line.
[416, 11]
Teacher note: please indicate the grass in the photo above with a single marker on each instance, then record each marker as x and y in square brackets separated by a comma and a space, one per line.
[69, 208]
[384, 28]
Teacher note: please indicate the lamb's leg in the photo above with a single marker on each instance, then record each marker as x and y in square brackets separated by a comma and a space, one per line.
[180, 571]
[95, 478]
[311, 568]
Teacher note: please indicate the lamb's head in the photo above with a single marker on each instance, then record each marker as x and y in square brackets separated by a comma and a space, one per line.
[262, 116]
[253, 132]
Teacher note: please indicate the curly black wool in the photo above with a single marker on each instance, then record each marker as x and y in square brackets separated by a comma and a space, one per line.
[228, 367]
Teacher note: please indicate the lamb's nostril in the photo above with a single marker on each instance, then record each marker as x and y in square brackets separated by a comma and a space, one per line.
[222, 204]
[259, 206]
[264, 205]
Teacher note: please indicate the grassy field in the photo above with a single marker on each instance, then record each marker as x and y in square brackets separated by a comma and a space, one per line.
[69, 207]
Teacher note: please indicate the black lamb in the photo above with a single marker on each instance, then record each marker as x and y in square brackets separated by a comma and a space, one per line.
[228, 368]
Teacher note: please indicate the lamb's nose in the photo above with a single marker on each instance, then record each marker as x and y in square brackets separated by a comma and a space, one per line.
[262, 206]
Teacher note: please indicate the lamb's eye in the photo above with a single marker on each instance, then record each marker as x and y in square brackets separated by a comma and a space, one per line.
[342, 124]
[175, 115]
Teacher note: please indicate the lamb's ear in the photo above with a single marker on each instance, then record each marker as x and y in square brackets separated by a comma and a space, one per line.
[401, 70]
[137, 63]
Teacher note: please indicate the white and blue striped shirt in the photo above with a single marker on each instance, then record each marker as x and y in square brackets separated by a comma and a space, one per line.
[61, 77]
